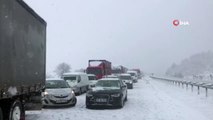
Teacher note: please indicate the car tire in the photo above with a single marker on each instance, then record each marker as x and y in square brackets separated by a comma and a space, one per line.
[43, 106]
[17, 111]
[79, 92]
[88, 106]
[131, 86]
[1, 114]
[126, 98]
[75, 101]
[121, 104]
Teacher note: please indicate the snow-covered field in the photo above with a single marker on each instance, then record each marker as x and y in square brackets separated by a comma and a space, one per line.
[149, 100]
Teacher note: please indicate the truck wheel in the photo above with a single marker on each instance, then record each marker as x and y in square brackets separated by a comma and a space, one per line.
[1, 114]
[16, 111]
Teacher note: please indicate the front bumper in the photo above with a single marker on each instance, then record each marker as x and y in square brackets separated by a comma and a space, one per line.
[129, 85]
[58, 102]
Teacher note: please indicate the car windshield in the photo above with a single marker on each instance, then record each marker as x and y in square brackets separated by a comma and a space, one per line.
[132, 74]
[92, 77]
[125, 77]
[108, 83]
[53, 84]
[71, 78]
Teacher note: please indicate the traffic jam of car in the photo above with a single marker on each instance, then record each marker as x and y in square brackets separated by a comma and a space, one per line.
[104, 86]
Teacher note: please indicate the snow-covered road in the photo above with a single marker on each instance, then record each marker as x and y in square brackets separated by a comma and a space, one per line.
[149, 100]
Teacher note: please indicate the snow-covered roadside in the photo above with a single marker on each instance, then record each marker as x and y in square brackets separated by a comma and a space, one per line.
[147, 101]
[200, 102]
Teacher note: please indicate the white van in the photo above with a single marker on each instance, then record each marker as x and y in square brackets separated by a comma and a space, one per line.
[134, 75]
[92, 80]
[79, 82]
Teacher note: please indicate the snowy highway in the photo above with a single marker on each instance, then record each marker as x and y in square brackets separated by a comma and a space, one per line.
[149, 100]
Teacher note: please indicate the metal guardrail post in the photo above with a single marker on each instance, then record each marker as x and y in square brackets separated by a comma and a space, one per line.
[206, 92]
[191, 87]
[198, 90]
[187, 86]
[179, 83]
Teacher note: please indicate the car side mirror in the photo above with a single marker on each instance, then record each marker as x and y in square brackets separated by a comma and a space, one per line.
[123, 86]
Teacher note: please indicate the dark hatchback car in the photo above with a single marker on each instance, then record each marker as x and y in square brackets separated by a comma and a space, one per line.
[127, 79]
[107, 92]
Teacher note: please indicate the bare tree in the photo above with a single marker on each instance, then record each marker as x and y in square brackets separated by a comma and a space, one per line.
[48, 75]
[62, 68]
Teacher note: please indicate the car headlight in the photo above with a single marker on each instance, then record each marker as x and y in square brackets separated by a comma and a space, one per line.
[72, 92]
[89, 95]
[45, 93]
[116, 95]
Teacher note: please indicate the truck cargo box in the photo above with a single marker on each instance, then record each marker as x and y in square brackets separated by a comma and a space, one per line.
[22, 49]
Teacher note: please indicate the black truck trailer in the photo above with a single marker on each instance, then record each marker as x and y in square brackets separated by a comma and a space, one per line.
[22, 59]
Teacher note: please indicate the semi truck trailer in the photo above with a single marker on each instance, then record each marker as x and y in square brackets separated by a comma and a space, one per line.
[22, 59]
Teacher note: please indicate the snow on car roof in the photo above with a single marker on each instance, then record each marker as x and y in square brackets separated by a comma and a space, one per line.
[110, 79]
[126, 74]
[74, 73]
[110, 76]
[131, 71]
[90, 75]
[54, 79]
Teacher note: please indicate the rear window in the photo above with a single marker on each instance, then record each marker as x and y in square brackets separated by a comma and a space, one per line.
[53, 84]
[125, 77]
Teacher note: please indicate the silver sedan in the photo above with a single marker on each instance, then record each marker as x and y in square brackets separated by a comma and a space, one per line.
[58, 93]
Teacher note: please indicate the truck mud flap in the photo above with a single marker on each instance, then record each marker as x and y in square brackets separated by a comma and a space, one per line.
[34, 103]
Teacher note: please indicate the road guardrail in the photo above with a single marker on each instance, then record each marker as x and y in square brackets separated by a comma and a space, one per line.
[181, 82]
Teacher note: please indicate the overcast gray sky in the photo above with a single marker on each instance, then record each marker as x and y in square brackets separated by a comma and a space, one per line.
[133, 33]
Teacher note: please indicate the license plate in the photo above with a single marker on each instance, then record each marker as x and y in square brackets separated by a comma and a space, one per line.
[61, 101]
[101, 100]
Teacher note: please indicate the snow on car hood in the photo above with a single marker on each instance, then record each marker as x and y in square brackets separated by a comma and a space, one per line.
[105, 89]
[92, 82]
[59, 91]
[72, 83]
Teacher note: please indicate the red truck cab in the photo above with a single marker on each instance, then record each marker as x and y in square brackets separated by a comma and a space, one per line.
[100, 68]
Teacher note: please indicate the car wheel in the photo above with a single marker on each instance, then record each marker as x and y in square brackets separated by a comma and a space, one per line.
[43, 106]
[126, 98]
[121, 103]
[75, 101]
[88, 106]
[1, 114]
[79, 92]
[131, 86]
[16, 111]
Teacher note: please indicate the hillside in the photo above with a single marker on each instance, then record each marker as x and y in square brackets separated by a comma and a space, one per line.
[196, 64]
